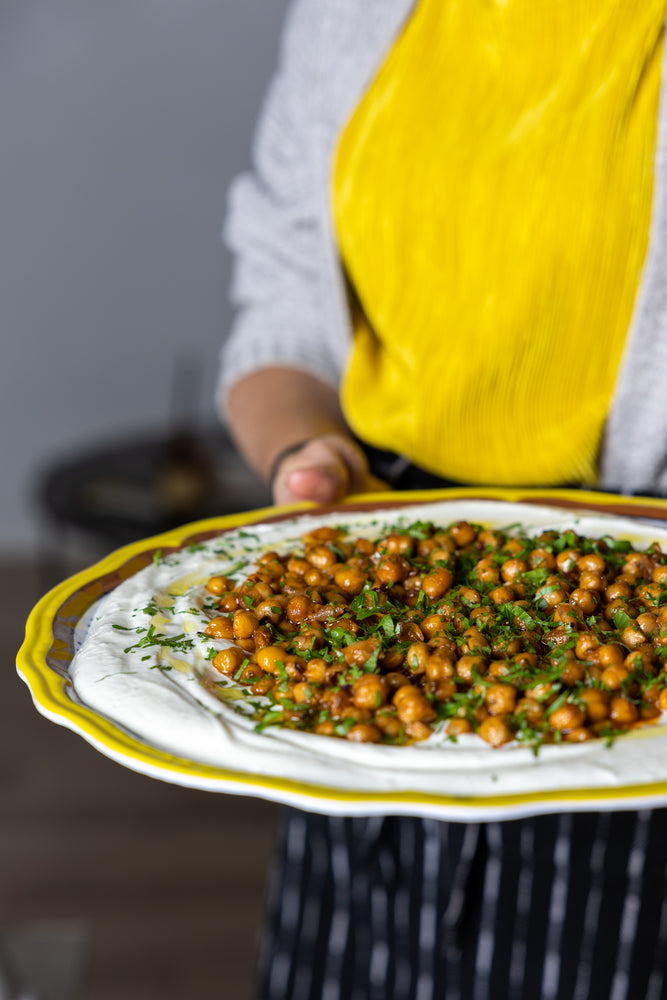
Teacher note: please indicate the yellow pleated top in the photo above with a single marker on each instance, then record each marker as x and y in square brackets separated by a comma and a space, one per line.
[492, 198]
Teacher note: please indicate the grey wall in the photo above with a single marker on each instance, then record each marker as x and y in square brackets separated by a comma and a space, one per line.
[121, 125]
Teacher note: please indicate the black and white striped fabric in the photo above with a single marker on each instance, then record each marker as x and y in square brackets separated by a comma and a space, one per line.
[564, 907]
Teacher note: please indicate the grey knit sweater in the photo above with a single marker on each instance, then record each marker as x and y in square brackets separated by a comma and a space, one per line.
[288, 285]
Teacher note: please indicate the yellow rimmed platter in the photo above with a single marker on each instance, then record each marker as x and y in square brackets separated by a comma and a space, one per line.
[178, 739]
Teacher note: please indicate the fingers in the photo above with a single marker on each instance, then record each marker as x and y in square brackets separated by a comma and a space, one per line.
[324, 470]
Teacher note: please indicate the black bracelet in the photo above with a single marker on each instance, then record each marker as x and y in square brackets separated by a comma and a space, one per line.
[282, 455]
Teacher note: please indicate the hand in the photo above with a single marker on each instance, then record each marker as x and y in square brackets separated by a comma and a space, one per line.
[325, 469]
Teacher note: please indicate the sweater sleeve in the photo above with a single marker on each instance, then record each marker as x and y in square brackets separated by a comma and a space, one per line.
[277, 228]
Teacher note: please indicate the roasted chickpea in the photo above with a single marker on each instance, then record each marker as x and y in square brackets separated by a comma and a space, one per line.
[569, 616]
[618, 589]
[525, 659]
[572, 672]
[228, 661]
[416, 657]
[270, 657]
[335, 702]
[650, 594]
[316, 671]
[513, 546]
[466, 666]
[418, 731]
[261, 637]
[370, 691]
[587, 645]
[613, 676]
[444, 689]
[632, 637]
[409, 632]
[320, 556]
[566, 716]
[441, 557]
[483, 617]
[500, 699]
[244, 624]
[532, 711]
[463, 534]
[325, 728]
[618, 604]
[473, 642]
[298, 608]
[397, 543]
[262, 686]
[470, 596]
[305, 693]
[495, 730]
[360, 652]
[455, 727]
[641, 658]
[542, 559]
[283, 692]
[499, 668]
[220, 628]
[269, 610]
[586, 600]
[596, 704]
[326, 533]
[578, 735]
[436, 584]
[269, 558]
[490, 539]
[350, 579]
[502, 595]
[364, 732]
[591, 562]
[396, 680]
[622, 711]
[439, 667]
[393, 569]
[487, 572]
[506, 647]
[610, 654]
[648, 622]
[512, 569]
[566, 561]
[551, 595]
[432, 624]
[590, 580]
[297, 565]
[219, 585]
[412, 706]
[541, 690]
[315, 578]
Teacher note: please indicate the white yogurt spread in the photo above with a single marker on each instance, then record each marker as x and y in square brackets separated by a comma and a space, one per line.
[142, 657]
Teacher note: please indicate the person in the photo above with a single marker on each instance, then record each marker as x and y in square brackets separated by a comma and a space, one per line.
[450, 268]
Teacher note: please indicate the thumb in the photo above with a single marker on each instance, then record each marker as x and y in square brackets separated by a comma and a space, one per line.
[320, 483]
[315, 472]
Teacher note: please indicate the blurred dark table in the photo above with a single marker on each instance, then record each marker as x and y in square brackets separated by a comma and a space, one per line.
[129, 490]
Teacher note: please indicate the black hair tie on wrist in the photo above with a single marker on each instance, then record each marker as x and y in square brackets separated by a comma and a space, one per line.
[282, 455]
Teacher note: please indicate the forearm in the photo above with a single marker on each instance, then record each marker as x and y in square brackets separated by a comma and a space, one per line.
[275, 407]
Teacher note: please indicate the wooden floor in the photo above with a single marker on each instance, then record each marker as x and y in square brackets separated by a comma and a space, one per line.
[168, 882]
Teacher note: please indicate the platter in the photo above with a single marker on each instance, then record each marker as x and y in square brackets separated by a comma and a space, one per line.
[158, 718]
